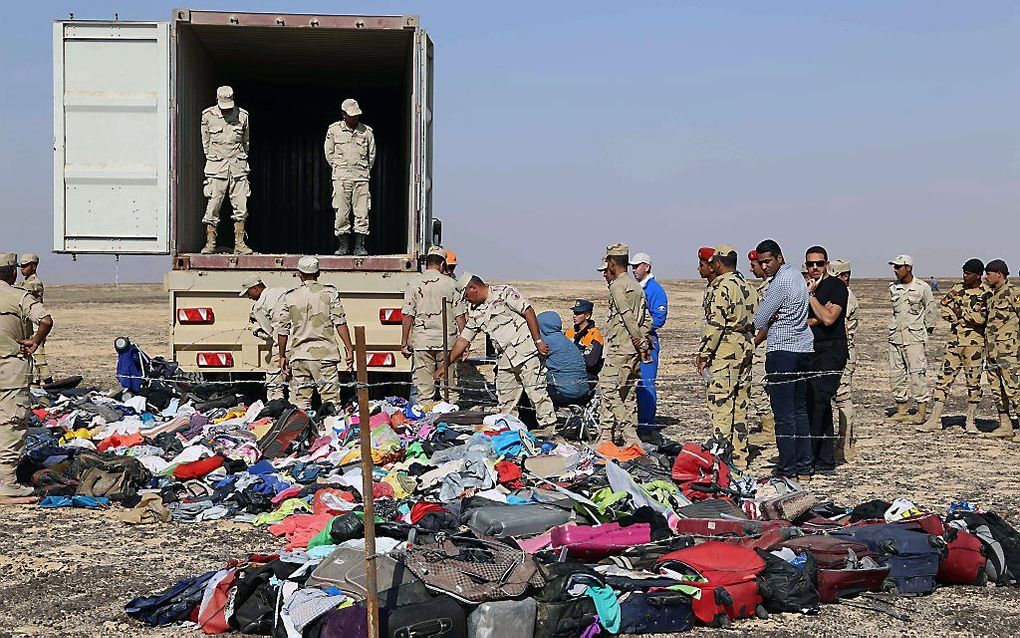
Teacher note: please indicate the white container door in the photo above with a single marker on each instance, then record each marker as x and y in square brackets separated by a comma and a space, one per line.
[422, 142]
[111, 137]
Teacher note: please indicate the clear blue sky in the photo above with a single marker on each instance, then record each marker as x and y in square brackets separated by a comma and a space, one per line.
[873, 128]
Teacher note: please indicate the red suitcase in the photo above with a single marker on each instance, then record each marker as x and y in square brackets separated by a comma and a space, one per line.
[594, 543]
[730, 590]
[715, 527]
[835, 581]
[966, 561]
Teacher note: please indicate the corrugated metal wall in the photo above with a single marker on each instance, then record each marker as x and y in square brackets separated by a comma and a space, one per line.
[291, 82]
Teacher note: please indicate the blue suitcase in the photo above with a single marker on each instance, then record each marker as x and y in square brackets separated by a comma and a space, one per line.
[912, 557]
[660, 612]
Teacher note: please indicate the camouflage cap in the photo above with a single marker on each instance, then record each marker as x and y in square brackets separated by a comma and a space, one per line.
[350, 107]
[604, 266]
[225, 97]
[248, 283]
[308, 265]
[437, 251]
[902, 260]
[464, 280]
[8, 259]
[28, 258]
[724, 250]
[617, 250]
[839, 266]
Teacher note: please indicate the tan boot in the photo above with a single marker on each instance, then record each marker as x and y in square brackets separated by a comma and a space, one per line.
[11, 492]
[210, 240]
[934, 421]
[902, 414]
[969, 426]
[1005, 429]
[240, 248]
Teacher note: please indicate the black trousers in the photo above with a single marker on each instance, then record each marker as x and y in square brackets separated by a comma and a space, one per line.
[828, 360]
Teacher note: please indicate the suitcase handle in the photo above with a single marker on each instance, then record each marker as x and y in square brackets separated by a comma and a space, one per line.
[668, 601]
[434, 627]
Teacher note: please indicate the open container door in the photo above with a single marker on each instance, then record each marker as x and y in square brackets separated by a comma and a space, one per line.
[111, 137]
[422, 156]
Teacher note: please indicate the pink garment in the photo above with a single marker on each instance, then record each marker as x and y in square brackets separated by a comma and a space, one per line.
[287, 493]
[298, 529]
[535, 544]
[374, 421]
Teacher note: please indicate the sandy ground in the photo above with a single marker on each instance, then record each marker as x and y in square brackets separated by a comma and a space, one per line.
[69, 573]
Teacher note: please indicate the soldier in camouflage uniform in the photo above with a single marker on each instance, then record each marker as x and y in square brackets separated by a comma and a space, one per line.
[913, 318]
[19, 311]
[311, 317]
[225, 144]
[350, 152]
[766, 434]
[726, 350]
[965, 307]
[842, 402]
[264, 320]
[423, 323]
[706, 272]
[29, 263]
[501, 312]
[1002, 339]
[627, 331]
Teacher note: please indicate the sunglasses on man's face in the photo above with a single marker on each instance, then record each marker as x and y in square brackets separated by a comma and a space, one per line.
[814, 264]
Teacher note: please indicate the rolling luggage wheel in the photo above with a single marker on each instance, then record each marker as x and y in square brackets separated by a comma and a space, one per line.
[760, 612]
[722, 622]
[890, 587]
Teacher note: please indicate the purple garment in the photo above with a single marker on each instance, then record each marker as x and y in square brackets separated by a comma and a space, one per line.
[594, 630]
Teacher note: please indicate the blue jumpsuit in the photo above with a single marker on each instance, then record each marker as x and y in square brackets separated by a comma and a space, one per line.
[658, 307]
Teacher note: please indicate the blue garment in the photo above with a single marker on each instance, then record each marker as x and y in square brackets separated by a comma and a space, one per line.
[129, 368]
[788, 395]
[788, 296]
[565, 370]
[658, 308]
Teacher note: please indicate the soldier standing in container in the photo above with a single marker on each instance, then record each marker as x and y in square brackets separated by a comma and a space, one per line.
[350, 152]
[29, 263]
[1002, 338]
[965, 307]
[19, 311]
[265, 320]
[311, 317]
[423, 323]
[627, 344]
[225, 144]
[913, 319]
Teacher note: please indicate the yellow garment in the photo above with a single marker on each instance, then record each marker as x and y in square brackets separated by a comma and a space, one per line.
[80, 433]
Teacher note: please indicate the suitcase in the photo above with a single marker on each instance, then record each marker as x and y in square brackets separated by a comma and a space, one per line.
[441, 617]
[655, 613]
[564, 618]
[788, 507]
[715, 527]
[966, 562]
[711, 508]
[730, 590]
[345, 570]
[912, 557]
[835, 584]
[834, 579]
[594, 543]
[503, 619]
[515, 520]
[771, 539]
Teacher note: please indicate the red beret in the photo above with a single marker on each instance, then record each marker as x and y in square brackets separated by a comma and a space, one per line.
[705, 253]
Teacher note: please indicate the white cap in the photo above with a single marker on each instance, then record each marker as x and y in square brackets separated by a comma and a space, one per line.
[902, 260]
[308, 265]
[464, 280]
[350, 107]
[641, 258]
[225, 97]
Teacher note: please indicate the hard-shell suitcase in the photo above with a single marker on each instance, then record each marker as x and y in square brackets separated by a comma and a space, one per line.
[564, 618]
[438, 618]
[966, 562]
[835, 579]
[599, 541]
[716, 527]
[912, 557]
[730, 589]
[345, 570]
[503, 619]
[655, 613]
[834, 584]
[515, 520]
[1001, 541]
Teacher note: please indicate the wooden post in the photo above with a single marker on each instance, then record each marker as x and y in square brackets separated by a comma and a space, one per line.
[365, 427]
[446, 352]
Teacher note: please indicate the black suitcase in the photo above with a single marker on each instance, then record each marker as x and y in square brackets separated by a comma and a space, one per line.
[438, 618]
[564, 619]
[655, 613]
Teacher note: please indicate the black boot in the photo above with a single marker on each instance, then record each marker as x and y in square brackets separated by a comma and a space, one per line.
[359, 244]
[345, 245]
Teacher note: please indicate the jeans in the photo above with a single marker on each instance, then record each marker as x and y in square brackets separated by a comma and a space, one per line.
[646, 388]
[787, 395]
[820, 390]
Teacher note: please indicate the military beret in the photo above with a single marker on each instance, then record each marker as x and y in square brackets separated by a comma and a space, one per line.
[705, 253]
[997, 265]
[974, 265]
[752, 255]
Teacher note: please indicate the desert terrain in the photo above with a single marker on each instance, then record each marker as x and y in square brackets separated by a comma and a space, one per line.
[69, 572]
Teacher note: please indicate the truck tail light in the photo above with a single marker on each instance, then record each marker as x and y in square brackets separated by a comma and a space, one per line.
[381, 360]
[215, 360]
[390, 316]
[195, 316]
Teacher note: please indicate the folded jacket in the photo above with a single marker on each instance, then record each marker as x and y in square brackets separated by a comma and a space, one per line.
[197, 469]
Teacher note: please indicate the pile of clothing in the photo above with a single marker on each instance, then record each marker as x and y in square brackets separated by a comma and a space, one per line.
[482, 529]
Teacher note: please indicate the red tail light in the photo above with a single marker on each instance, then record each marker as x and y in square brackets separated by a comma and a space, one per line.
[390, 316]
[215, 360]
[381, 360]
[195, 316]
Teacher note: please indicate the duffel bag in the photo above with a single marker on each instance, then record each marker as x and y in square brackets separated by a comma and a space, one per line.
[787, 587]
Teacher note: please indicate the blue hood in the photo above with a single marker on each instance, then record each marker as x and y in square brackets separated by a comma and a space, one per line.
[565, 370]
[549, 323]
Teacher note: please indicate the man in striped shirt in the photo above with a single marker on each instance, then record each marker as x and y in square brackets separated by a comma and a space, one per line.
[782, 319]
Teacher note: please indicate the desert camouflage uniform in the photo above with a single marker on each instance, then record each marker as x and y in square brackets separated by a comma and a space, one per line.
[628, 318]
[727, 346]
[351, 154]
[966, 310]
[914, 313]
[1002, 337]
[265, 319]
[519, 368]
[310, 315]
[759, 390]
[842, 401]
[225, 144]
[34, 285]
[424, 300]
[19, 311]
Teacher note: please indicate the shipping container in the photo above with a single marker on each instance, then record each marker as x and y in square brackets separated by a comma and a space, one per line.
[128, 161]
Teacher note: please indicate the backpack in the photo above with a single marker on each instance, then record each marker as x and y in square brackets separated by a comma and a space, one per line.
[115, 477]
[1001, 541]
[132, 365]
[173, 604]
[787, 587]
[293, 431]
[700, 474]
